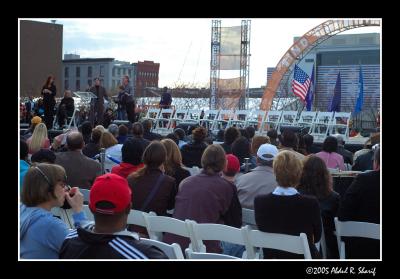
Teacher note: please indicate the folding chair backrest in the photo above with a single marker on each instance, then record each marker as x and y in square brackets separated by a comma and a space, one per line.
[190, 254]
[136, 217]
[173, 251]
[248, 218]
[209, 231]
[193, 115]
[355, 229]
[180, 114]
[307, 117]
[156, 225]
[152, 113]
[340, 124]
[288, 118]
[283, 242]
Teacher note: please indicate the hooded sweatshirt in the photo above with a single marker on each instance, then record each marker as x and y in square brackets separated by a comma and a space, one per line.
[41, 233]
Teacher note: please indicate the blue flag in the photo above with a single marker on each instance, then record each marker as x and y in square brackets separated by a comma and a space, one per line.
[337, 96]
[310, 92]
[360, 99]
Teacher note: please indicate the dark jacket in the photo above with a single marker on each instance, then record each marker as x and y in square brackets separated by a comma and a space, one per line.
[289, 215]
[347, 155]
[179, 175]
[91, 149]
[361, 202]
[151, 136]
[329, 209]
[69, 105]
[82, 243]
[364, 162]
[164, 198]
[206, 199]
[227, 148]
[49, 98]
[144, 142]
[191, 154]
[81, 171]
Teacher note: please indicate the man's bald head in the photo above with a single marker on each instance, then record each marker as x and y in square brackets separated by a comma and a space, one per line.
[75, 141]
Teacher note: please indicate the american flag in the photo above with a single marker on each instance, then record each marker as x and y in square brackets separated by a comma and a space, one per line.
[300, 83]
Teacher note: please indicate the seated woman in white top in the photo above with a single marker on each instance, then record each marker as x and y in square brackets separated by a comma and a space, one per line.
[113, 149]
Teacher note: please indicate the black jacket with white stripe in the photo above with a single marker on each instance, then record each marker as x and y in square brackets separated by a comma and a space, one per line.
[83, 243]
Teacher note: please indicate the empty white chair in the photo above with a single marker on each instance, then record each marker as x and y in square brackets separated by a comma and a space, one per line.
[163, 122]
[271, 121]
[354, 229]
[219, 232]
[307, 119]
[288, 118]
[152, 114]
[136, 217]
[283, 242]
[255, 119]
[321, 126]
[239, 118]
[340, 124]
[222, 121]
[193, 116]
[210, 116]
[248, 218]
[173, 251]
[179, 116]
[190, 254]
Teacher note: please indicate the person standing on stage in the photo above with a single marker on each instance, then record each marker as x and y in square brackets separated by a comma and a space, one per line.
[101, 94]
[129, 100]
[49, 92]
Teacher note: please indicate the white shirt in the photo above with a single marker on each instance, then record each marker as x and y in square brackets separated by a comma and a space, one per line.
[280, 191]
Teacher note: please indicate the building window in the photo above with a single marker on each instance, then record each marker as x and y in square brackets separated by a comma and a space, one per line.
[113, 72]
[102, 70]
[78, 71]
[78, 85]
[89, 71]
[89, 82]
[119, 71]
[130, 72]
[124, 71]
[66, 72]
[66, 84]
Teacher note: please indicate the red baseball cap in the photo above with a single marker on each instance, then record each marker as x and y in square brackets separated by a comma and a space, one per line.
[232, 165]
[110, 188]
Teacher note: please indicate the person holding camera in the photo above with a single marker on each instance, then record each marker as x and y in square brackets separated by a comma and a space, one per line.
[41, 234]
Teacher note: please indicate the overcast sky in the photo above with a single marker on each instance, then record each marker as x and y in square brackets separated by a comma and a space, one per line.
[182, 46]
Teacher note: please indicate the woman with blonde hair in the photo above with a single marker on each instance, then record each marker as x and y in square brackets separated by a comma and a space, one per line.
[173, 164]
[39, 139]
[301, 214]
[113, 149]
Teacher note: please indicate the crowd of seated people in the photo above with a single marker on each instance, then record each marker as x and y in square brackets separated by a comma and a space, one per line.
[285, 179]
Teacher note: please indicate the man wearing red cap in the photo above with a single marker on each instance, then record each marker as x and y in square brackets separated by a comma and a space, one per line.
[110, 202]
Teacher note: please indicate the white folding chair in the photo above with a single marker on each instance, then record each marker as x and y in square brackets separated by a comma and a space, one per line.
[271, 121]
[137, 217]
[163, 122]
[256, 119]
[173, 251]
[248, 218]
[210, 116]
[179, 116]
[219, 232]
[306, 120]
[321, 244]
[354, 229]
[321, 125]
[222, 121]
[193, 116]
[190, 254]
[284, 242]
[340, 124]
[288, 118]
[157, 225]
[239, 118]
